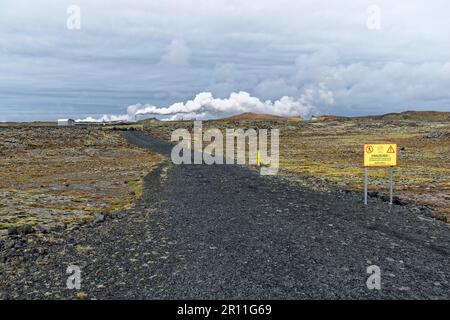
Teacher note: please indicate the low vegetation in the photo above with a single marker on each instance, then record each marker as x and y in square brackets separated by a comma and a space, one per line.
[61, 176]
[326, 155]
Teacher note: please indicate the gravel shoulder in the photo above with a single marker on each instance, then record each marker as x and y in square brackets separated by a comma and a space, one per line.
[224, 232]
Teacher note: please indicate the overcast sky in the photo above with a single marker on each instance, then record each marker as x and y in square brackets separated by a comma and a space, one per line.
[324, 55]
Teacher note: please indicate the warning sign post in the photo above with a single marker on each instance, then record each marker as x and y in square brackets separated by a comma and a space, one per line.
[380, 155]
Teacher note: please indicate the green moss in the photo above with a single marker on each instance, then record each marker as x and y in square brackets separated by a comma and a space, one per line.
[79, 218]
[72, 208]
[4, 225]
[35, 191]
[28, 221]
[10, 219]
[80, 248]
[132, 182]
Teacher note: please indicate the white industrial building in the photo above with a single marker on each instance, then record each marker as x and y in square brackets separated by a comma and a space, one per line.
[66, 122]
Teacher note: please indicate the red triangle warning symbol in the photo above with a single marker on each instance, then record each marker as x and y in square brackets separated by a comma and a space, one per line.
[390, 150]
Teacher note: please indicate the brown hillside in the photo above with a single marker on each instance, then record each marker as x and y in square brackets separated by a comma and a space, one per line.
[327, 117]
[249, 116]
[412, 115]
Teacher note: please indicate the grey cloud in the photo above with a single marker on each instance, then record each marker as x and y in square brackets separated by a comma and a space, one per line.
[177, 54]
[161, 52]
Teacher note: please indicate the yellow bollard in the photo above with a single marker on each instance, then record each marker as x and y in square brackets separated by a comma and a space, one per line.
[259, 158]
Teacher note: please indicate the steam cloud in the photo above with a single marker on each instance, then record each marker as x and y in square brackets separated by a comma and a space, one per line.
[205, 106]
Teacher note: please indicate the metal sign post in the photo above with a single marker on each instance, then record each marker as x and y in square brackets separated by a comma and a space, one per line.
[366, 182]
[391, 184]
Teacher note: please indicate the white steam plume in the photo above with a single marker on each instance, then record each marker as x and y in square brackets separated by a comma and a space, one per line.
[205, 106]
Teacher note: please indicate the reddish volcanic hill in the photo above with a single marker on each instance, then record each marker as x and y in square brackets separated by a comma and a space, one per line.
[249, 116]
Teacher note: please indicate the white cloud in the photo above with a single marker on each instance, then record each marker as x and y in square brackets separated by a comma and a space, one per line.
[268, 88]
[366, 88]
[177, 54]
[205, 106]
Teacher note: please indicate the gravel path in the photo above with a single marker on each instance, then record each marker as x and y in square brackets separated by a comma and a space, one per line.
[223, 231]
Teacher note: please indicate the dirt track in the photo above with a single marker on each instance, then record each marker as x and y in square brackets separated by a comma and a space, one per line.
[223, 231]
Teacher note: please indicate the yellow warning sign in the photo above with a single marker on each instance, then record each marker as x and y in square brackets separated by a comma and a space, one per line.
[390, 150]
[380, 155]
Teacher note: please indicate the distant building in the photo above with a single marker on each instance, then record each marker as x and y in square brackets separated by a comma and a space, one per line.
[66, 122]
